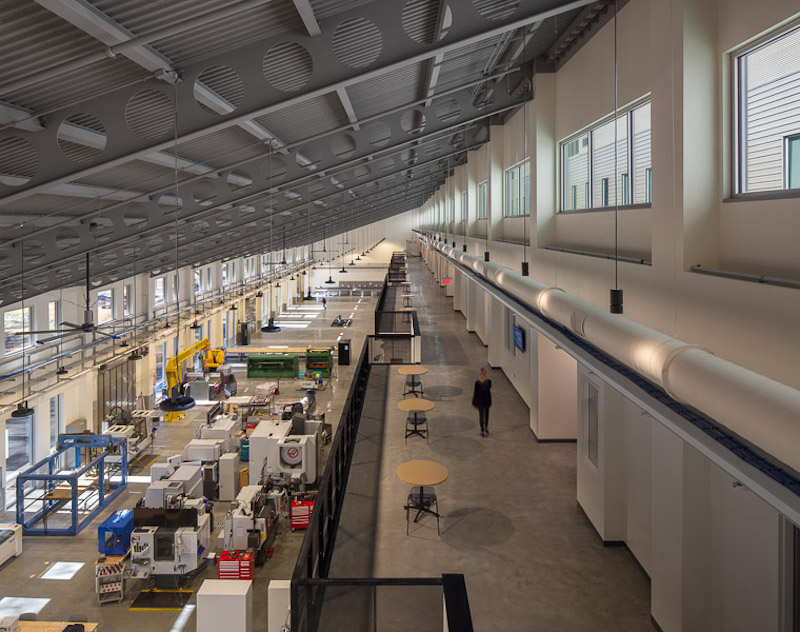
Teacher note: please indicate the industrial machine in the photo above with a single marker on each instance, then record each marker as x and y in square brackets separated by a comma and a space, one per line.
[10, 541]
[273, 365]
[291, 447]
[319, 361]
[136, 427]
[252, 521]
[173, 373]
[213, 359]
[114, 533]
[169, 543]
[172, 483]
[223, 426]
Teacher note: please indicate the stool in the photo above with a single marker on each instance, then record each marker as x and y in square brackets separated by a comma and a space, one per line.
[413, 386]
[422, 503]
[414, 421]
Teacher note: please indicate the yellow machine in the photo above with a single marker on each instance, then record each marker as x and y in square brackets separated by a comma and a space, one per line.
[173, 372]
[213, 359]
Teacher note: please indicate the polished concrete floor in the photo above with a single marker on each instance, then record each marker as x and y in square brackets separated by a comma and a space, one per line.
[21, 579]
[509, 518]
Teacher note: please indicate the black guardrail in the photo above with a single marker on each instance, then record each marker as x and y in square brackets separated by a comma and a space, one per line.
[314, 559]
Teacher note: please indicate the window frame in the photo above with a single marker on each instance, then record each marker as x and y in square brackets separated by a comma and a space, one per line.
[627, 112]
[28, 341]
[112, 297]
[738, 169]
[483, 200]
[519, 168]
[163, 299]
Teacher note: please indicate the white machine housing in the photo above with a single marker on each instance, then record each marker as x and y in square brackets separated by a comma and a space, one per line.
[138, 432]
[186, 481]
[10, 541]
[274, 450]
[224, 427]
[169, 551]
[299, 456]
[205, 450]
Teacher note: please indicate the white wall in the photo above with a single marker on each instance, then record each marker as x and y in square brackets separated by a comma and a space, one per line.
[713, 552]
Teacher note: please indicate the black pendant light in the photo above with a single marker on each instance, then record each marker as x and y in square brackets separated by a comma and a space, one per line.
[61, 371]
[176, 401]
[270, 327]
[23, 410]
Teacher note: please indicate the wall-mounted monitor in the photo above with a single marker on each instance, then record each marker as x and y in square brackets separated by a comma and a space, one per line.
[519, 338]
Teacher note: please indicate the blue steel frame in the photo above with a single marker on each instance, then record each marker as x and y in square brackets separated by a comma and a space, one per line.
[51, 479]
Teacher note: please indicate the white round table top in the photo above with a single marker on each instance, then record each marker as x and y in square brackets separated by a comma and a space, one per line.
[413, 369]
[422, 473]
[416, 405]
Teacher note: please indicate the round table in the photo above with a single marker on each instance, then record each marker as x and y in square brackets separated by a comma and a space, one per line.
[414, 371]
[422, 474]
[416, 406]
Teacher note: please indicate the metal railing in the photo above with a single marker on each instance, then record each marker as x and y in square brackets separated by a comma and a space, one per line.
[314, 559]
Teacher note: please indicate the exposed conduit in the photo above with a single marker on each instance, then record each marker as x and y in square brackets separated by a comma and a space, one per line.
[760, 410]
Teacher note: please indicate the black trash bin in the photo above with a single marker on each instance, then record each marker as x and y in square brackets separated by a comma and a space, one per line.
[344, 352]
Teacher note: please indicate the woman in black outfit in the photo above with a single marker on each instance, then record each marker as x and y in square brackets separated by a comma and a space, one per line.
[482, 400]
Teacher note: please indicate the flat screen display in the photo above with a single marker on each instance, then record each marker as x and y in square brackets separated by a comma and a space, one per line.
[519, 338]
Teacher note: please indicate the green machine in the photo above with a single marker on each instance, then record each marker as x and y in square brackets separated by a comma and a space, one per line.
[319, 361]
[272, 365]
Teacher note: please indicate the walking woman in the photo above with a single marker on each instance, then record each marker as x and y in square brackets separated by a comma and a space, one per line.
[482, 400]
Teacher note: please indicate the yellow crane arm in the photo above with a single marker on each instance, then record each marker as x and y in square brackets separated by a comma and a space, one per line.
[173, 369]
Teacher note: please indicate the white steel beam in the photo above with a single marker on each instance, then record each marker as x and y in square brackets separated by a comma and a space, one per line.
[348, 106]
[93, 22]
[306, 12]
[19, 117]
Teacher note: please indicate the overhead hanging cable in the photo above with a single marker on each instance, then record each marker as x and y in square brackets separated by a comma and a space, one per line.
[615, 295]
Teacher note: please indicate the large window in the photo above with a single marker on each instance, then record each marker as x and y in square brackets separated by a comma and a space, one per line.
[198, 281]
[158, 291]
[126, 300]
[15, 321]
[768, 129]
[517, 190]
[483, 200]
[225, 279]
[105, 306]
[464, 206]
[588, 164]
[56, 424]
[53, 315]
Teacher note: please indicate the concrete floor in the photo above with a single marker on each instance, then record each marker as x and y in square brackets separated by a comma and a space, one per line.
[510, 522]
[22, 577]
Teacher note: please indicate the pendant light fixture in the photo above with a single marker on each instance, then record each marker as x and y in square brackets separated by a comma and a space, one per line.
[330, 280]
[23, 410]
[341, 208]
[615, 294]
[176, 401]
[485, 200]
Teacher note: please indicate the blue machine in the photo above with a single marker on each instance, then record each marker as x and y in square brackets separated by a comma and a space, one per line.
[114, 533]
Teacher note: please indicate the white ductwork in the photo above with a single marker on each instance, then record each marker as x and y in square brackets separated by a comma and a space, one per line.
[764, 412]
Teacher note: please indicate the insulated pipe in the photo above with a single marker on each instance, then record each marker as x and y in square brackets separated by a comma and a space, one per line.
[764, 412]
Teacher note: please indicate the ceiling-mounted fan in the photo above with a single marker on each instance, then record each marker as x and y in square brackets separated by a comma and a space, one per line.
[73, 329]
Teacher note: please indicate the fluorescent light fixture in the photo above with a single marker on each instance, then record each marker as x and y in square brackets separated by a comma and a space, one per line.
[15, 606]
[132, 478]
[63, 570]
[183, 618]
